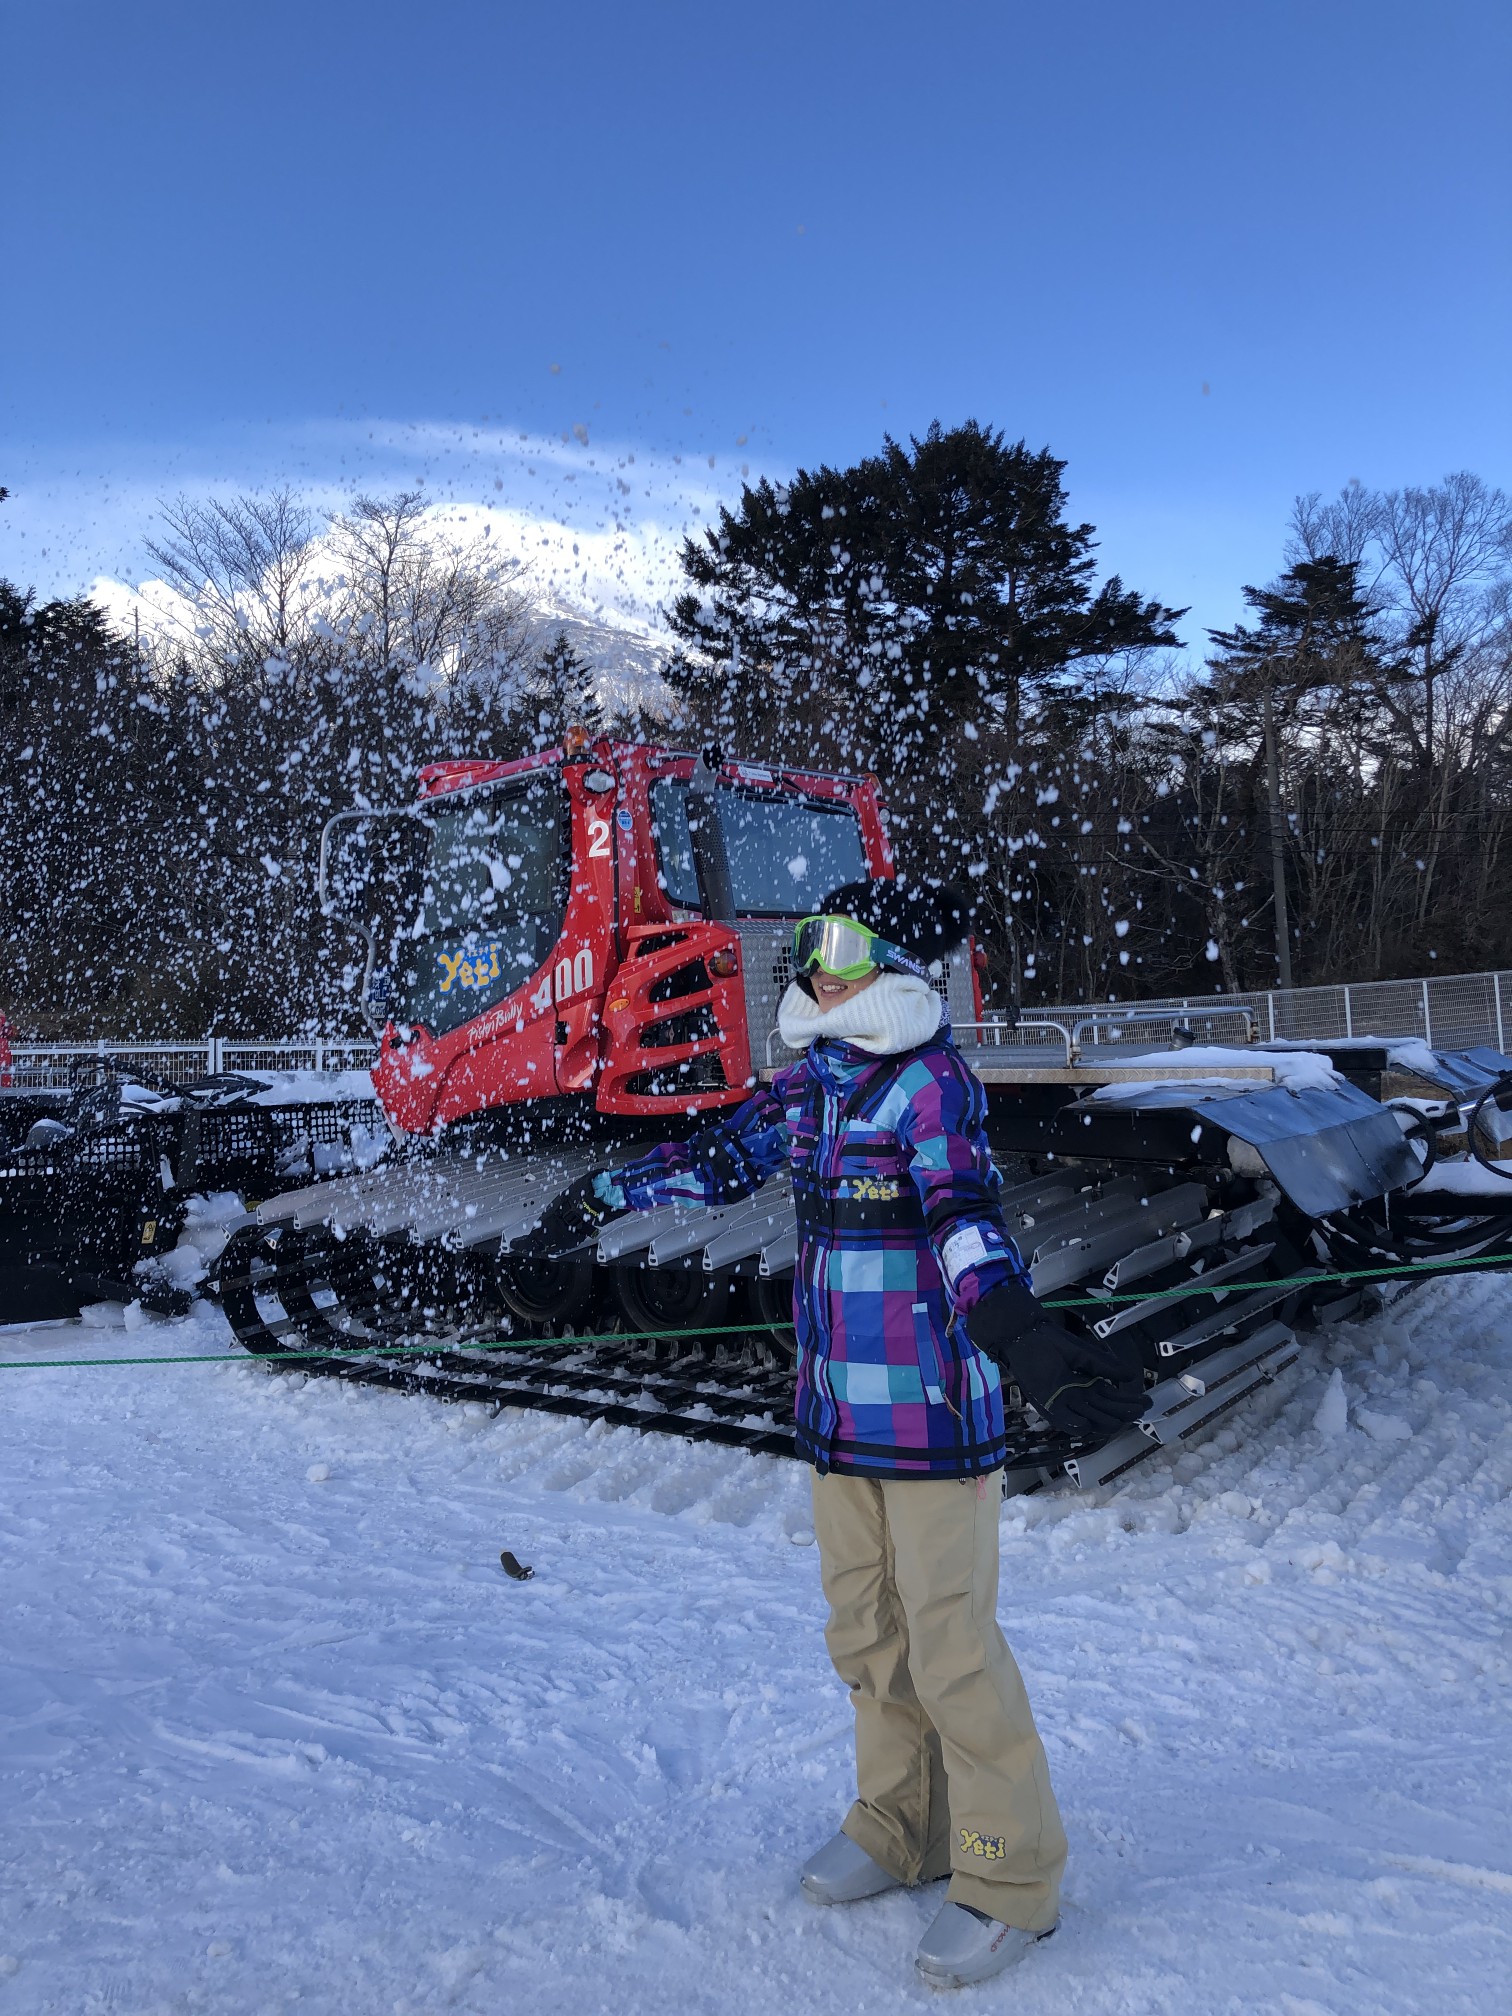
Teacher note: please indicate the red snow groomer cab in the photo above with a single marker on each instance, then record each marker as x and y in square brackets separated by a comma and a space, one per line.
[608, 923]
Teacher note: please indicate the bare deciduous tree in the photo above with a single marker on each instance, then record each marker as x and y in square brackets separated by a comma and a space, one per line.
[239, 567]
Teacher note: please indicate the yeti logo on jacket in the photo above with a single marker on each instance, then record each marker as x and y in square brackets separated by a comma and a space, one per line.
[991, 1847]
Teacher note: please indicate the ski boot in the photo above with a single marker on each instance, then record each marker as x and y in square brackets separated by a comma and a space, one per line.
[842, 1873]
[965, 1945]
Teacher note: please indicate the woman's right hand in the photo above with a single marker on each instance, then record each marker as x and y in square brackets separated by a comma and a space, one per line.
[573, 1219]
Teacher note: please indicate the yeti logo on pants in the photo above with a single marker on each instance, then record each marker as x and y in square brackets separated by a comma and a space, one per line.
[991, 1847]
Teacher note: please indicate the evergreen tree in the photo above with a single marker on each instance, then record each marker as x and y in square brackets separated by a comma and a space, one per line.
[563, 691]
[161, 806]
[87, 774]
[929, 613]
[1316, 630]
[1290, 722]
[909, 613]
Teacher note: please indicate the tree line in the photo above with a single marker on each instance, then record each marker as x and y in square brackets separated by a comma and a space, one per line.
[163, 788]
[1324, 794]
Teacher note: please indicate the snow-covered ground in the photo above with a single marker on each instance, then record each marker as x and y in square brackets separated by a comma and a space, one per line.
[280, 1735]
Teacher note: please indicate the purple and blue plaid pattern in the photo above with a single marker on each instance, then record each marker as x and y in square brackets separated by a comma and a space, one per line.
[900, 1235]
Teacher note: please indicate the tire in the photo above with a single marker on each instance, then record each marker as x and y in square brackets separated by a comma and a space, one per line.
[550, 1293]
[772, 1302]
[673, 1298]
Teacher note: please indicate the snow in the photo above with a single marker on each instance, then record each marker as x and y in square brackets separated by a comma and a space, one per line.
[279, 1088]
[1411, 1054]
[1332, 1417]
[208, 1223]
[310, 1088]
[1298, 1070]
[1403, 1053]
[1460, 1177]
[600, 525]
[282, 1736]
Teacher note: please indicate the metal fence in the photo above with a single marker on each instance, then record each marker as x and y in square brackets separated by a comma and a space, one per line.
[58, 1066]
[1450, 1011]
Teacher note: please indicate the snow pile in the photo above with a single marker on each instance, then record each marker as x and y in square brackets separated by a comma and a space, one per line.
[1332, 1417]
[282, 1736]
[208, 1224]
[1412, 1054]
[1461, 1177]
[310, 1088]
[1297, 1070]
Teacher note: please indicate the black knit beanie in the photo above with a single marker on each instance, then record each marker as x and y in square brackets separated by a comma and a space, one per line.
[926, 920]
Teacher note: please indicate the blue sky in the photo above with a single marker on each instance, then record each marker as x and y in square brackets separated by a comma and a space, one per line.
[1212, 255]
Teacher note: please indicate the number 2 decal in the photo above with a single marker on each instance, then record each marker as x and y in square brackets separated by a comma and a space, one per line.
[598, 839]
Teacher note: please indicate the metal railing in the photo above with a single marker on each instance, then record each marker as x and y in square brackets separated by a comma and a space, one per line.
[1148, 1027]
[1450, 1011]
[61, 1066]
[1154, 1027]
[1071, 1035]
[1029, 1033]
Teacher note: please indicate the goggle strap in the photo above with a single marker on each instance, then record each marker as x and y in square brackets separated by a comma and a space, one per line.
[878, 951]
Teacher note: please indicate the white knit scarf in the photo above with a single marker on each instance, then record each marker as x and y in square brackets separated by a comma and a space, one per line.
[897, 1012]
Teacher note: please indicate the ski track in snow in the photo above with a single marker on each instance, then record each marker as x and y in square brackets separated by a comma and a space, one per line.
[280, 1735]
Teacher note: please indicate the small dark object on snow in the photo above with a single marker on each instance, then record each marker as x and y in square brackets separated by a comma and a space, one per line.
[515, 1568]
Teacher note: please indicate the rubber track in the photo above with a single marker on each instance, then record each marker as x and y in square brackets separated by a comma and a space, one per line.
[691, 1395]
[599, 1395]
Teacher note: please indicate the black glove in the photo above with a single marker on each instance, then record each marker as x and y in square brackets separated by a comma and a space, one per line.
[573, 1219]
[1086, 1387]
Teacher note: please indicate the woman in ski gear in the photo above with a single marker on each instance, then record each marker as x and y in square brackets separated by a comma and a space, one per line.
[909, 1302]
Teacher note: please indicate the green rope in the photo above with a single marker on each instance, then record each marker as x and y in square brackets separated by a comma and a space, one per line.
[1420, 1267]
[396, 1350]
[1430, 1267]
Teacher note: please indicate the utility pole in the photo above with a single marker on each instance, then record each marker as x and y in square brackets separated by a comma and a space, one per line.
[1278, 849]
[1015, 960]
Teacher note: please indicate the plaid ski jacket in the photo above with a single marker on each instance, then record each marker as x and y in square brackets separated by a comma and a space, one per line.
[899, 1234]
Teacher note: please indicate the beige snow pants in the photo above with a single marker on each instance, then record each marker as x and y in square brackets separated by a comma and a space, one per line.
[950, 1771]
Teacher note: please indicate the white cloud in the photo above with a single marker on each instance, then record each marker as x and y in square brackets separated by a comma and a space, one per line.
[599, 521]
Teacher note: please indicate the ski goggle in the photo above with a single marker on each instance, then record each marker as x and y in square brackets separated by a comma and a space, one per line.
[845, 950]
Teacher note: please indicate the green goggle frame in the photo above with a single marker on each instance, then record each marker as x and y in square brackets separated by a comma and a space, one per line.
[844, 949]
